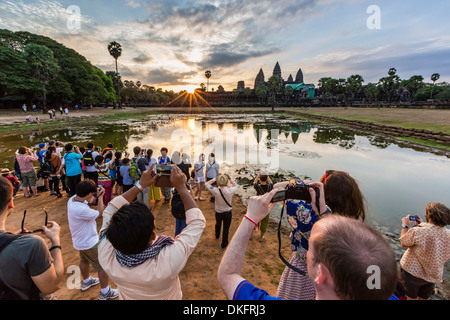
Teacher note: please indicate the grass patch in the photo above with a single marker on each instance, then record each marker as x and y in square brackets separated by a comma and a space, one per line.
[394, 121]
[426, 143]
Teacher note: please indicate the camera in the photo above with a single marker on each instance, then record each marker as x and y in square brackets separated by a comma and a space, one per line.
[413, 218]
[296, 190]
[164, 170]
[99, 189]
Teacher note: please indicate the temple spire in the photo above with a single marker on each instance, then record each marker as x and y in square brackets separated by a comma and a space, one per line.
[299, 78]
[260, 79]
[277, 70]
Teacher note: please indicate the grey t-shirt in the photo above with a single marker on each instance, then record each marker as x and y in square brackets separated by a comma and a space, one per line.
[25, 257]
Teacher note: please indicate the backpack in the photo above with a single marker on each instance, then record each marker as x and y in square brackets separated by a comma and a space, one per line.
[88, 158]
[177, 209]
[135, 172]
[48, 167]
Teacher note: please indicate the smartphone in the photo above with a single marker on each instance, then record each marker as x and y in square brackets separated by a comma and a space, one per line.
[164, 170]
[414, 218]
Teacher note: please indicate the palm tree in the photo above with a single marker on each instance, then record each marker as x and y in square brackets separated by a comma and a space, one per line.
[115, 50]
[392, 71]
[435, 77]
[208, 75]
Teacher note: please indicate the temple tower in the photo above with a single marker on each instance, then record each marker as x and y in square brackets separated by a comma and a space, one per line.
[299, 78]
[277, 70]
[260, 80]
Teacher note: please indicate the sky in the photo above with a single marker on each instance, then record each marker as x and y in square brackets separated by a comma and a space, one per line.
[170, 44]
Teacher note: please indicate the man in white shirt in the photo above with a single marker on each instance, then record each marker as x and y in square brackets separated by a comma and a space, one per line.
[145, 266]
[83, 228]
[223, 204]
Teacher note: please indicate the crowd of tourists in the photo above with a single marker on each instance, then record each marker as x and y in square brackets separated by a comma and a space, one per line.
[335, 253]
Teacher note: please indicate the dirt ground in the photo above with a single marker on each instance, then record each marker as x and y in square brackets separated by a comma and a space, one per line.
[198, 279]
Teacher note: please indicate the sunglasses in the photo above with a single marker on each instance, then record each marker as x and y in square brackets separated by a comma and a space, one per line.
[35, 231]
[330, 172]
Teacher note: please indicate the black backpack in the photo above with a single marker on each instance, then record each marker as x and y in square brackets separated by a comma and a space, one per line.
[177, 209]
[88, 158]
[48, 168]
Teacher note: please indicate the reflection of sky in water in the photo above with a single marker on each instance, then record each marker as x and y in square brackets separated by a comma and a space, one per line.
[394, 180]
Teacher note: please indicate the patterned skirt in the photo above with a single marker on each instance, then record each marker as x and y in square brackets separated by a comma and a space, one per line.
[294, 286]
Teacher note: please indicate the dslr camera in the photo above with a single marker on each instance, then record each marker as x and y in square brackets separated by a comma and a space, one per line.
[99, 189]
[296, 190]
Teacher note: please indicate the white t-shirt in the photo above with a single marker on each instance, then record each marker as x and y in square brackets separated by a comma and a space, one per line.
[82, 224]
[212, 170]
[150, 163]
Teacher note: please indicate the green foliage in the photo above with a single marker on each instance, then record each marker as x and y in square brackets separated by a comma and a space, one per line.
[68, 76]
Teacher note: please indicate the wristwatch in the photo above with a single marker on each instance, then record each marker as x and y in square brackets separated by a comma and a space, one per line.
[405, 226]
[326, 212]
[138, 185]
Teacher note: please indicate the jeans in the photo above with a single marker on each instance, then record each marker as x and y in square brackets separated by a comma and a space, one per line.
[179, 226]
[53, 183]
[225, 219]
[73, 183]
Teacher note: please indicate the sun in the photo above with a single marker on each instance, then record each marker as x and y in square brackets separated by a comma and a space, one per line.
[191, 89]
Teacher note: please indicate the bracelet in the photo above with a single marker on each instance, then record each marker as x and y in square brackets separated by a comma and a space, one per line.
[252, 221]
[55, 247]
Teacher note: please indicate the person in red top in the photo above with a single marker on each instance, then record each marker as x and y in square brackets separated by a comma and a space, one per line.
[14, 181]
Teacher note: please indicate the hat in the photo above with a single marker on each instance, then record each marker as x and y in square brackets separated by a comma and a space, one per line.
[176, 159]
[222, 180]
[42, 145]
[5, 171]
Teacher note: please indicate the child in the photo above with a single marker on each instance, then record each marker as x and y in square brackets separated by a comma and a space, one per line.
[128, 182]
[154, 193]
[164, 159]
[104, 178]
[117, 190]
[16, 184]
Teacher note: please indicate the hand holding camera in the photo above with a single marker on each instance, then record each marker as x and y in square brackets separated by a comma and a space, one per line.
[297, 189]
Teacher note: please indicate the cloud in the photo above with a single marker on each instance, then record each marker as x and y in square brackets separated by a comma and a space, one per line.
[163, 76]
[133, 3]
[142, 58]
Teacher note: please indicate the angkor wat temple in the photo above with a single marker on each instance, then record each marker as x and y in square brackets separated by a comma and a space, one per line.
[260, 79]
[299, 87]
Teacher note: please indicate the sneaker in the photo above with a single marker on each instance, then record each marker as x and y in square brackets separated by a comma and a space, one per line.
[92, 282]
[112, 294]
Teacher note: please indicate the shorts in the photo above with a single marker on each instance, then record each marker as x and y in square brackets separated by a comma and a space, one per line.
[29, 179]
[416, 287]
[199, 179]
[91, 256]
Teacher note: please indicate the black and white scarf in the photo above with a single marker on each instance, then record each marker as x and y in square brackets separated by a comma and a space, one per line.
[134, 260]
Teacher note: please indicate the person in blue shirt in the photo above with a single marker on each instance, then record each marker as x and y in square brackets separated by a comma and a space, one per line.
[71, 160]
[128, 182]
[346, 260]
[164, 159]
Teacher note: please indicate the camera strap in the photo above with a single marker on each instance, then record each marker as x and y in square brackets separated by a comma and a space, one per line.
[303, 273]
